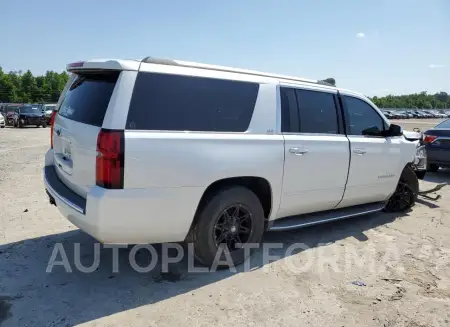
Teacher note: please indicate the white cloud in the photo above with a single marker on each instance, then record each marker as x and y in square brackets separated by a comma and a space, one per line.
[435, 66]
[360, 35]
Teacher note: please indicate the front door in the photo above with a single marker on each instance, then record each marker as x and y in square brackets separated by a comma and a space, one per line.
[375, 159]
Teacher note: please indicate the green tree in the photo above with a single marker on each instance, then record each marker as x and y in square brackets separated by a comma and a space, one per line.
[18, 87]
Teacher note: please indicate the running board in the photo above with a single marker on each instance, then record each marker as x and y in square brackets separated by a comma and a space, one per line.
[321, 217]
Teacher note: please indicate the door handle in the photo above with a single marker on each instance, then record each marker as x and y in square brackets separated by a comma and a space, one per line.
[359, 151]
[298, 151]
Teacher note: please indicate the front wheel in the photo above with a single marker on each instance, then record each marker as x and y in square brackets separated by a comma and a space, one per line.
[44, 125]
[405, 194]
[232, 217]
[421, 174]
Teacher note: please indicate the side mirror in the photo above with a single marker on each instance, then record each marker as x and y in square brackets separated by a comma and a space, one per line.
[394, 130]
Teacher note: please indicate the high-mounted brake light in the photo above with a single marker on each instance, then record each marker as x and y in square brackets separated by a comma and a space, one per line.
[75, 64]
[428, 138]
[52, 124]
[109, 164]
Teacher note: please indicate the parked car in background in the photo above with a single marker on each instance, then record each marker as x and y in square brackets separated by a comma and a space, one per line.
[439, 114]
[2, 121]
[9, 111]
[159, 150]
[387, 114]
[437, 145]
[48, 110]
[29, 115]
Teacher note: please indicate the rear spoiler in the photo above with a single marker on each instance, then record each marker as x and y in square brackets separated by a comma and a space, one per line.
[103, 64]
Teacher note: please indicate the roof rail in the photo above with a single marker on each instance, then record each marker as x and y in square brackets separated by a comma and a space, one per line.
[162, 61]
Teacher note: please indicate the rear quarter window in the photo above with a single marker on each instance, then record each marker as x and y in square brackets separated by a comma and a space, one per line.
[87, 98]
[187, 103]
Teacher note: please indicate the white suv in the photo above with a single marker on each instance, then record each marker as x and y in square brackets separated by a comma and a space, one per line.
[164, 151]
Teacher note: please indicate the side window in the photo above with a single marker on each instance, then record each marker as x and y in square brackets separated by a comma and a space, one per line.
[318, 113]
[188, 103]
[362, 118]
[289, 111]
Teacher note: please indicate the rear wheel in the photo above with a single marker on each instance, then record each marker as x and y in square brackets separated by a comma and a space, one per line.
[232, 217]
[432, 168]
[405, 194]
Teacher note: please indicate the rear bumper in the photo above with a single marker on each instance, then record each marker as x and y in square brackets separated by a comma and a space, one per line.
[129, 216]
[438, 156]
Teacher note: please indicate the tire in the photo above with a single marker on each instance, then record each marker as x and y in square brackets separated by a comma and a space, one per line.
[2, 126]
[432, 168]
[406, 192]
[207, 232]
[44, 125]
[421, 174]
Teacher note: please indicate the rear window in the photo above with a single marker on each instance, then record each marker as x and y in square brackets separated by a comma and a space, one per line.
[186, 103]
[88, 97]
[444, 124]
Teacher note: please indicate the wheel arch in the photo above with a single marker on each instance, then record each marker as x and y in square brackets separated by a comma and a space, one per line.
[258, 185]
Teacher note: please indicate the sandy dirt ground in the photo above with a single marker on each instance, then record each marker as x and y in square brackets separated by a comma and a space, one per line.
[377, 270]
[422, 124]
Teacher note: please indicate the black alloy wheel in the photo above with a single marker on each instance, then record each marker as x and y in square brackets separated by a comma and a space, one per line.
[402, 199]
[230, 217]
[233, 227]
[406, 192]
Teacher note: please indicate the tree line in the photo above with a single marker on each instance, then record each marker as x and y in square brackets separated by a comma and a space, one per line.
[19, 87]
[421, 100]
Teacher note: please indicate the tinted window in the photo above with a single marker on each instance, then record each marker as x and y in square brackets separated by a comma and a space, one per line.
[186, 103]
[88, 97]
[318, 112]
[362, 118]
[444, 124]
[289, 111]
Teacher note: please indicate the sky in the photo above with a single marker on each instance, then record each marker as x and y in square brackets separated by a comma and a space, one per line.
[373, 47]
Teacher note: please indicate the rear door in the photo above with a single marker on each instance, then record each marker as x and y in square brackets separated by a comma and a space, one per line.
[316, 151]
[81, 112]
[375, 159]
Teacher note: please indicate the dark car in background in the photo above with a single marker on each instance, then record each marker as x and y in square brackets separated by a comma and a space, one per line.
[29, 115]
[437, 145]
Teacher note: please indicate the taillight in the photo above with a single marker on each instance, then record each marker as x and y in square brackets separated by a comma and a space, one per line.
[52, 123]
[109, 163]
[428, 138]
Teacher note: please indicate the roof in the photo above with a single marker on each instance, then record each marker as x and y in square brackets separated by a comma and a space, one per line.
[170, 62]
